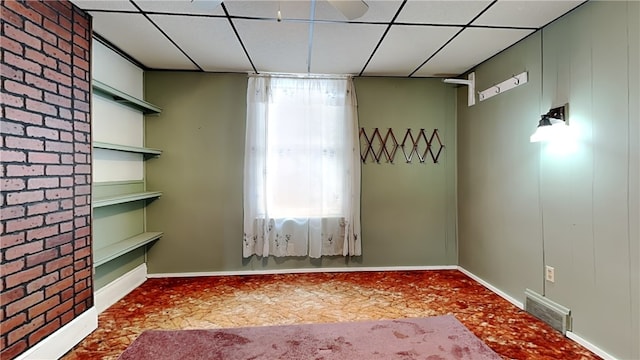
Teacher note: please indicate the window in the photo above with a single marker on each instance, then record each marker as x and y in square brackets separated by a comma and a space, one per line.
[302, 167]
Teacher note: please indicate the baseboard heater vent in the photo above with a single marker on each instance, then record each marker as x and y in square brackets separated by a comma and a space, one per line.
[556, 315]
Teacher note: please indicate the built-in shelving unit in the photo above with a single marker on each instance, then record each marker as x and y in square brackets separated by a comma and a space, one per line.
[133, 149]
[121, 228]
[108, 253]
[116, 95]
[125, 198]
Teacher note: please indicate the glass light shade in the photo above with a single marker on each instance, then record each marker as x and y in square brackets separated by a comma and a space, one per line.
[549, 129]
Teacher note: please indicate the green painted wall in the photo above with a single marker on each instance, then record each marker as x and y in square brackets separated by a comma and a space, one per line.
[573, 207]
[408, 210]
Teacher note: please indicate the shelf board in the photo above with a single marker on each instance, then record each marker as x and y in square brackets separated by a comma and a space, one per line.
[108, 253]
[126, 148]
[121, 97]
[121, 199]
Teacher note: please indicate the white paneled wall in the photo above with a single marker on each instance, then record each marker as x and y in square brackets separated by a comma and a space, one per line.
[115, 123]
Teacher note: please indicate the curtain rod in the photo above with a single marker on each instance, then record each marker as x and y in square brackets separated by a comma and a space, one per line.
[302, 76]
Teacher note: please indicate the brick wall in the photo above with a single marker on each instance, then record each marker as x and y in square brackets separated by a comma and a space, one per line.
[45, 172]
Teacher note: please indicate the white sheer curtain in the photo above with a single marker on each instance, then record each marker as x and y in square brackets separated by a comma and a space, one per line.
[301, 168]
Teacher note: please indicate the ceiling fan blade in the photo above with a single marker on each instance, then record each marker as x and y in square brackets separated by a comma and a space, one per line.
[351, 9]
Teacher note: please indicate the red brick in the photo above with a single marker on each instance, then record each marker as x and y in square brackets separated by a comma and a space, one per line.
[12, 18]
[65, 113]
[64, 45]
[60, 170]
[22, 37]
[11, 128]
[83, 210]
[23, 277]
[8, 156]
[7, 240]
[58, 240]
[80, 222]
[40, 258]
[41, 132]
[12, 295]
[57, 77]
[66, 272]
[23, 143]
[24, 224]
[80, 179]
[12, 45]
[64, 91]
[12, 184]
[14, 349]
[40, 83]
[25, 329]
[58, 263]
[66, 136]
[24, 197]
[58, 146]
[66, 227]
[10, 268]
[23, 116]
[81, 137]
[58, 217]
[43, 158]
[11, 73]
[44, 306]
[49, 328]
[67, 204]
[79, 116]
[82, 105]
[57, 100]
[22, 63]
[66, 181]
[40, 58]
[42, 208]
[43, 9]
[21, 89]
[19, 8]
[43, 182]
[59, 286]
[54, 194]
[59, 310]
[41, 107]
[13, 322]
[57, 53]
[14, 101]
[64, 68]
[58, 123]
[42, 232]
[11, 212]
[83, 169]
[83, 253]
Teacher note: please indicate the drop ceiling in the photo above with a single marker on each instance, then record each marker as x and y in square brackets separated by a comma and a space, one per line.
[401, 38]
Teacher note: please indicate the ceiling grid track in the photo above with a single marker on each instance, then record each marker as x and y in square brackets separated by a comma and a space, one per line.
[235, 31]
[453, 37]
[166, 35]
[404, 2]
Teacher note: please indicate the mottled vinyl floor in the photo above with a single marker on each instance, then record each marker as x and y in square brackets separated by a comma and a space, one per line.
[254, 300]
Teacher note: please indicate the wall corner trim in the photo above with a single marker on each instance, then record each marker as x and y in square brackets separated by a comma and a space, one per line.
[596, 350]
[117, 289]
[64, 339]
[499, 292]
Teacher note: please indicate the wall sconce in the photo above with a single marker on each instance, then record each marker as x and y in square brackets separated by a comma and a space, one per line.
[552, 125]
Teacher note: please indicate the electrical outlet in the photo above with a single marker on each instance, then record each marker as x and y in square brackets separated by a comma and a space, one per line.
[549, 273]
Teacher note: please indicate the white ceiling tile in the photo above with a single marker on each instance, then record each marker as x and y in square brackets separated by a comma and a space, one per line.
[445, 12]
[406, 47]
[470, 48]
[275, 46]
[525, 13]
[104, 5]
[379, 11]
[204, 7]
[210, 42]
[136, 36]
[343, 48]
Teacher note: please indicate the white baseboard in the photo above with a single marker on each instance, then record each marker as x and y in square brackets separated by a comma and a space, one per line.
[499, 292]
[64, 339]
[117, 289]
[302, 271]
[594, 349]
